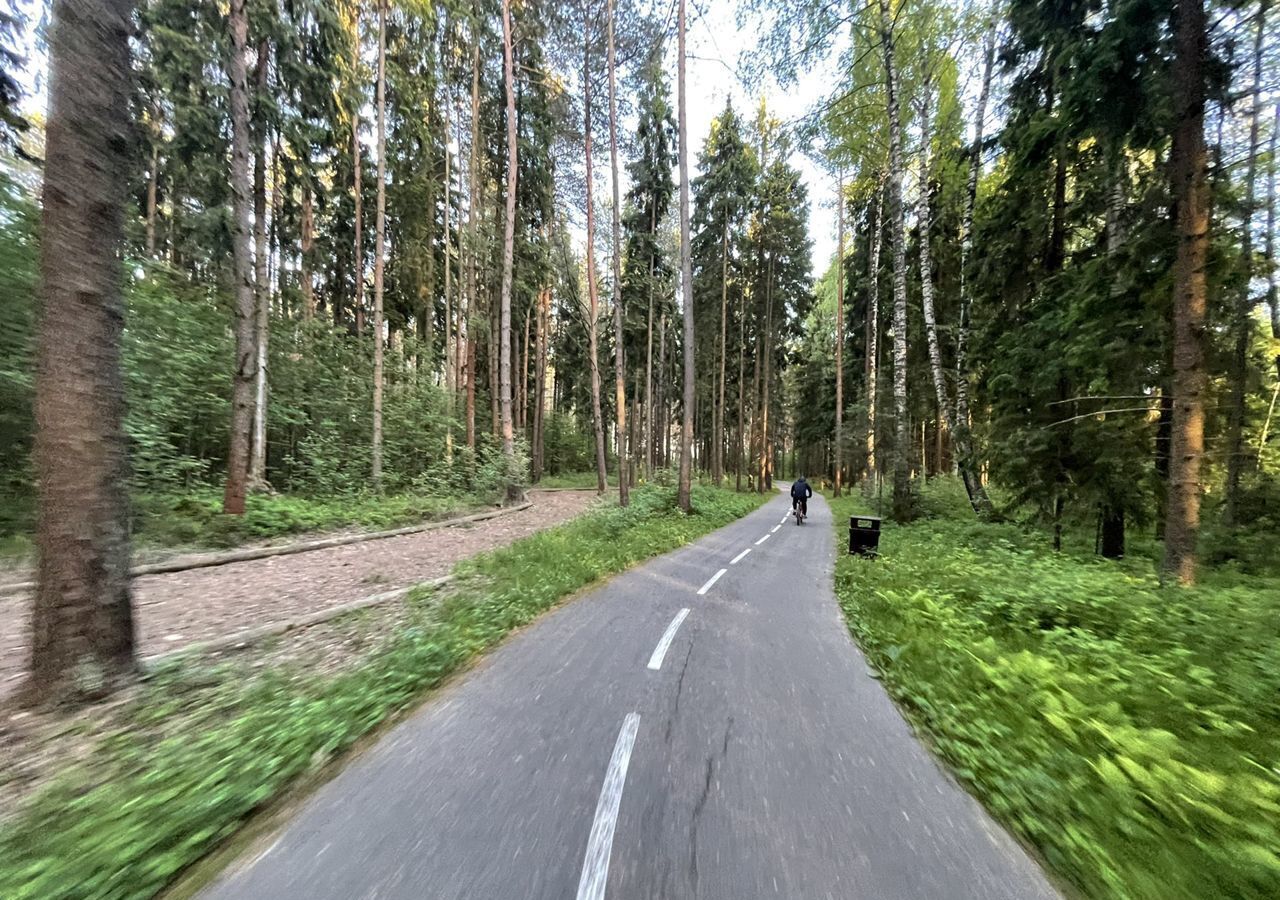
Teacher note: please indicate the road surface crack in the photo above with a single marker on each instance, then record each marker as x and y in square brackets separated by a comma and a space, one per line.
[675, 711]
[713, 761]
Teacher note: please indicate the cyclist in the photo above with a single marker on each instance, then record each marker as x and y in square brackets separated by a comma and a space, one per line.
[800, 494]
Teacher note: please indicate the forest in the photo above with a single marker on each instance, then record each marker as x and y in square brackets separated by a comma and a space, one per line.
[344, 231]
[278, 266]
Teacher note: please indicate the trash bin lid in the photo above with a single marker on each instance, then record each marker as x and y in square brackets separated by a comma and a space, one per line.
[872, 522]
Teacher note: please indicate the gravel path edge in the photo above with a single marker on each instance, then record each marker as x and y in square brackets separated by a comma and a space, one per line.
[208, 560]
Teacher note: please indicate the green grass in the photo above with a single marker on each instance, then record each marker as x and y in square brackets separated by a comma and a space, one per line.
[196, 519]
[161, 794]
[1130, 731]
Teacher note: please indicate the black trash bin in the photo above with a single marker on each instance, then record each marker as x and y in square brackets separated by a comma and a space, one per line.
[864, 535]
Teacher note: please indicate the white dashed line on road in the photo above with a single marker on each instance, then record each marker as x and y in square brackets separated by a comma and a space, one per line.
[763, 539]
[655, 661]
[737, 559]
[712, 580]
[595, 865]
[775, 529]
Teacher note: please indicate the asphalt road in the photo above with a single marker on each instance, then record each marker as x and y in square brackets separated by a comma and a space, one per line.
[758, 759]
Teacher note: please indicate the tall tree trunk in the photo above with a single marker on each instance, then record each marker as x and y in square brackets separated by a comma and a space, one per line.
[448, 286]
[357, 186]
[686, 279]
[1239, 369]
[82, 620]
[262, 278]
[717, 419]
[766, 376]
[664, 425]
[242, 266]
[649, 432]
[380, 239]
[153, 189]
[619, 347]
[1273, 295]
[839, 448]
[307, 243]
[515, 492]
[593, 288]
[1188, 163]
[961, 433]
[902, 501]
[473, 242]
[523, 405]
[741, 437]
[873, 334]
[942, 395]
[540, 382]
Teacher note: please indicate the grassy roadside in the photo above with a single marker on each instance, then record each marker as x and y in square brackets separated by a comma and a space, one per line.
[203, 750]
[1129, 731]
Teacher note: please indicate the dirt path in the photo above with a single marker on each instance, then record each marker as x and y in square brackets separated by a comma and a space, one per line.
[180, 608]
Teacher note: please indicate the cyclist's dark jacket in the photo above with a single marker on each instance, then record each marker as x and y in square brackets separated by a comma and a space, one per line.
[800, 490]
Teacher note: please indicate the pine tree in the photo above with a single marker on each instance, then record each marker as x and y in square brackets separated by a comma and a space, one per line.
[82, 621]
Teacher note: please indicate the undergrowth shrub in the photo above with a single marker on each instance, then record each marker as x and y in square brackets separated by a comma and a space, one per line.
[1130, 731]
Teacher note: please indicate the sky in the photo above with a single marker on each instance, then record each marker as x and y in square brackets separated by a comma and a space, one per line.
[714, 45]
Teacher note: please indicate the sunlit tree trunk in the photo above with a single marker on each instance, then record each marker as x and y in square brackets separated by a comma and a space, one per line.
[82, 629]
[378, 262]
[902, 502]
[357, 187]
[1188, 162]
[593, 288]
[262, 277]
[473, 244]
[1273, 295]
[686, 280]
[515, 492]
[873, 333]
[242, 266]
[941, 393]
[619, 347]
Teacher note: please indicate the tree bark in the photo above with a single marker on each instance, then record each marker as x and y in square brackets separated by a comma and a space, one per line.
[473, 245]
[82, 621]
[515, 492]
[242, 267]
[380, 238]
[307, 243]
[945, 408]
[448, 287]
[839, 448]
[961, 434]
[357, 187]
[902, 501]
[1243, 325]
[686, 281]
[717, 418]
[153, 189]
[873, 333]
[1188, 163]
[1273, 295]
[619, 350]
[262, 277]
[650, 433]
[593, 289]
[740, 442]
